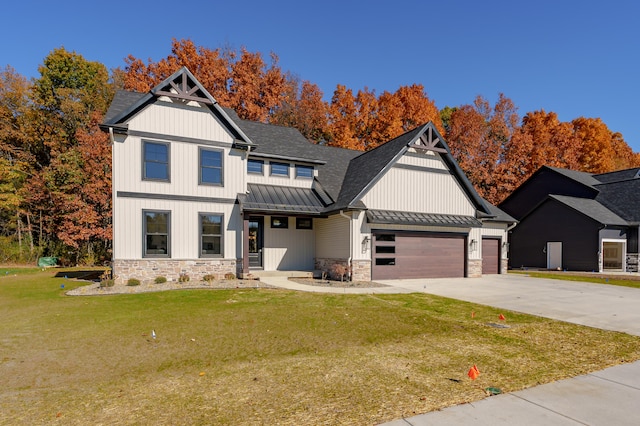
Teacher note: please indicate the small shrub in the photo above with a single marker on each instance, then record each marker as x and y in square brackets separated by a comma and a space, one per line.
[229, 276]
[108, 282]
[183, 278]
[131, 282]
[160, 280]
[209, 277]
[339, 271]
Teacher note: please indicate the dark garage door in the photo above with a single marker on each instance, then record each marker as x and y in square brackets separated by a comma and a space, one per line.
[490, 256]
[398, 255]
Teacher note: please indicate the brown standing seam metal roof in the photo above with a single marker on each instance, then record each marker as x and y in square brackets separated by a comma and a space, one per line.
[388, 217]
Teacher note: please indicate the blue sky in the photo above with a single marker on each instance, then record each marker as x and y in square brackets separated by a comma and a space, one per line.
[575, 58]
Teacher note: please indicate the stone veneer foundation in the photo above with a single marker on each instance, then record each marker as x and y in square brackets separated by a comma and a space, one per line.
[146, 270]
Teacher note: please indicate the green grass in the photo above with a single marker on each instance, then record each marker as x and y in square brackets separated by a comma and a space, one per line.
[266, 356]
[620, 280]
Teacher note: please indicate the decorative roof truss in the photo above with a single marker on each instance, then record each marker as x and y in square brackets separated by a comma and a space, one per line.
[183, 88]
[428, 141]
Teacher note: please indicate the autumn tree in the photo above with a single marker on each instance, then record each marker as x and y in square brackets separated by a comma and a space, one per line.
[343, 119]
[478, 137]
[68, 100]
[241, 80]
[302, 107]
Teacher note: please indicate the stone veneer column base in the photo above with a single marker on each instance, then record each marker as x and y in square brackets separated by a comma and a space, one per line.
[474, 268]
[504, 266]
[361, 269]
[146, 270]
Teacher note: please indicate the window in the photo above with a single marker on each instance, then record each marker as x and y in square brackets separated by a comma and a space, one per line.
[304, 223]
[281, 222]
[304, 172]
[279, 169]
[157, 233]
[210, 167]
[386, 249]
[156, 161]
[211, 231]
[255, 166]
[385, 261]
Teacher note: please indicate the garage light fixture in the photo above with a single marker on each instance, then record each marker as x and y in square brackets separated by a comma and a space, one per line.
[473, 245]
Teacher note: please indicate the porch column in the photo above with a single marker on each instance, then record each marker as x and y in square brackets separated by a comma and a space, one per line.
[245, 245]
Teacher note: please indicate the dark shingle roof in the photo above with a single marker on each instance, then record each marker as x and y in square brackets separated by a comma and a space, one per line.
[623, 197]
[122, 101]
[617, 176]
[582, 177]
[430, 219]
[592, 209]
[497, 214]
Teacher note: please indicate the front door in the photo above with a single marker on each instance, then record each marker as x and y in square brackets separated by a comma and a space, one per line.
[256, 241]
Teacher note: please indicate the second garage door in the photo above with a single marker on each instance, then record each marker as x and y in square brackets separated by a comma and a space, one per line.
[398, 255]
[490, 256]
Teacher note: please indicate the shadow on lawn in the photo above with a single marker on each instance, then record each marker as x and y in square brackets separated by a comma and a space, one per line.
[81, 275]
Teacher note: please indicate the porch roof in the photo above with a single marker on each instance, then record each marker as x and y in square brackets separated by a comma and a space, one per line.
[281, 199]
[426, 219]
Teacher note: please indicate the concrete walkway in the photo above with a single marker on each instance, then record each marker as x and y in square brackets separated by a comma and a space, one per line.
[608, 397]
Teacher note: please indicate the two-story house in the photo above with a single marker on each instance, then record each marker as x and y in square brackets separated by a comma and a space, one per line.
[198, 191]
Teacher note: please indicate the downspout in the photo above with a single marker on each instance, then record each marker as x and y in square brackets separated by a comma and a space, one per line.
[350, 218]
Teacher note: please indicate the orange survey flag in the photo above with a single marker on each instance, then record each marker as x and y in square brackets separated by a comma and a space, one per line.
[502, 318]
[473, 372]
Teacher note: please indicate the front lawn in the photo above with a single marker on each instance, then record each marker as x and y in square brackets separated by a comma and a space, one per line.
[623, 280]
[265, 356]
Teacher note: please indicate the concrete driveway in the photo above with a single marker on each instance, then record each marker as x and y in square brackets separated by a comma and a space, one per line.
[602, 306]
[607, 397]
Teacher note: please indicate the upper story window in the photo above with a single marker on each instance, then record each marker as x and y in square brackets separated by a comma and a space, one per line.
[210, 167]
[155, 161]
[304, 172]
[279, 169]
[255, 166]
[157, 233]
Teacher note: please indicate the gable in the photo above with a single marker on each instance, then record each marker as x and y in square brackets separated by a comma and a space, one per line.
[541, 184]
[366, 170]
[419, 182]
[181, 89]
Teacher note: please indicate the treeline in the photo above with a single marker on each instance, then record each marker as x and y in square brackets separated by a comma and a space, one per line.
[55, 163]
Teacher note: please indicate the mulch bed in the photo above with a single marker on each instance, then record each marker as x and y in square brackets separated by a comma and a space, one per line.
[338, 284]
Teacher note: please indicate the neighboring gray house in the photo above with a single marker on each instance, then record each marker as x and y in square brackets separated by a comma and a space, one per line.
[575, 220]
[197, 190]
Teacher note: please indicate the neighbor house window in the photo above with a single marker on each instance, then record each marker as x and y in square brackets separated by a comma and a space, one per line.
[304, 223]
[279, 169]
[155, 161]
[279, 222]
[304, 172]
[210, 167]
[255, 166]
[211, 232]
[157, 233]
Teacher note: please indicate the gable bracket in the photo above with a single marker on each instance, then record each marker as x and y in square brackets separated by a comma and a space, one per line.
[428, 141]
[182, 91]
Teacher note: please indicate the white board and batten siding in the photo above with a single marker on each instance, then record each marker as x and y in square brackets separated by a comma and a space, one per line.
[332, 237]
[184, 227]
[173, 124]
[415, 190]
[288, 249]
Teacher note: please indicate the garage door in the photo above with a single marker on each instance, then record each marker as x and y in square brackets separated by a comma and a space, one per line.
[490, 256]
[398, 255]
